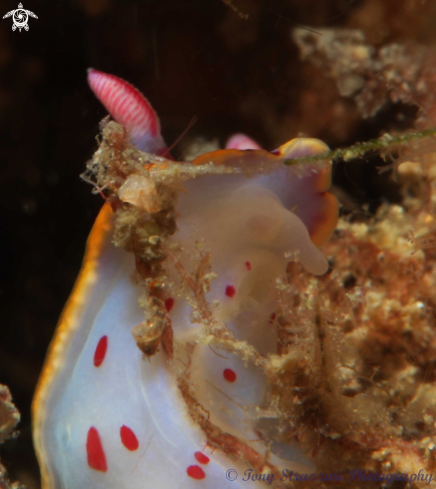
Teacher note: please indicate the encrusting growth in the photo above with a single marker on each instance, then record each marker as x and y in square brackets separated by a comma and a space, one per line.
[9, 418]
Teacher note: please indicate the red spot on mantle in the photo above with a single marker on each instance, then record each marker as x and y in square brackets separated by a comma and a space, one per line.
[201, 458]
[129, 438]
[100, 351]
[248, 265]
[94, 451]
[230, 291]
[195, 472]
[272, 317]
[169, 303]
[229, 375]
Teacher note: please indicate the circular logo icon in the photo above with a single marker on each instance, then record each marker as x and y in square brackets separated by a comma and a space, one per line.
[20, 16]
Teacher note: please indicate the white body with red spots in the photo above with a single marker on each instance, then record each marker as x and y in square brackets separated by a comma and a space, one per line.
[124, 391]
[105, 416]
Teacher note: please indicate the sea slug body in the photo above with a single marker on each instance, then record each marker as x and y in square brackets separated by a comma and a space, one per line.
[106, 415]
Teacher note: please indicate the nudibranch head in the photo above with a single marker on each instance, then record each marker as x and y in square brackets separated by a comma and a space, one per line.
[161, 369]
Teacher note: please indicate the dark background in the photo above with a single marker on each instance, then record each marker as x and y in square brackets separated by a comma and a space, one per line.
[190, 58]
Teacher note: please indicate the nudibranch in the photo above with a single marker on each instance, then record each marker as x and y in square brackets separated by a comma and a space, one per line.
[180, 398]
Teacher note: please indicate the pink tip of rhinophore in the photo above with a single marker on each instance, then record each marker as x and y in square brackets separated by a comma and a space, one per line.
[129, 107]
[241, 141]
